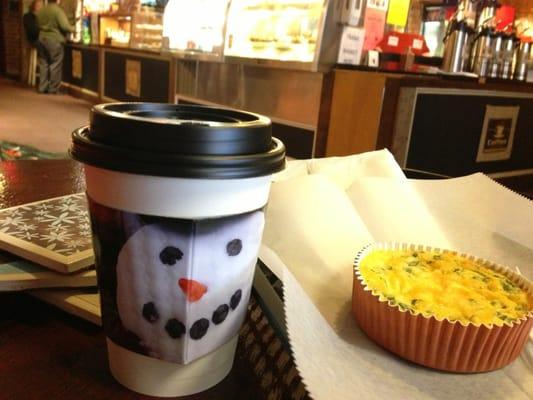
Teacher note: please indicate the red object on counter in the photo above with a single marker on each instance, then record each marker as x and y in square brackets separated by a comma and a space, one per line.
[399, 43]
[450, 12]
[505, 17]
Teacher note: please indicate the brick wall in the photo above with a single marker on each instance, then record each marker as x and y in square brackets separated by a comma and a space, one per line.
[2, 50]
[12, 37]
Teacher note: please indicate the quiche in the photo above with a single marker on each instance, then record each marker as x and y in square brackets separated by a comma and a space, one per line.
[441, 309]
[444, 285]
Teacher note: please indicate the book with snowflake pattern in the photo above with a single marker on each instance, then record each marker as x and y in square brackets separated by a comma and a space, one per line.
[54, 233]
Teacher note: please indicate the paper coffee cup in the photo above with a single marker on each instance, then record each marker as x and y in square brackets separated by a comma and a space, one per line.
[176, 197]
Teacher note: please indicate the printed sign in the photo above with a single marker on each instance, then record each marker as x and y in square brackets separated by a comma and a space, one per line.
[133, 78]
[398, 11]
[373, 58]
[418, 44]
[77, 70]
[497, 135]
[351, 46]
[393, 41]
[374, 27]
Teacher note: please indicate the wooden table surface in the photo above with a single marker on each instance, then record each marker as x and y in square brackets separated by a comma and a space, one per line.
[48, 354]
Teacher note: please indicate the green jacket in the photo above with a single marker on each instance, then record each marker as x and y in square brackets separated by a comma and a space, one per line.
[53, 23]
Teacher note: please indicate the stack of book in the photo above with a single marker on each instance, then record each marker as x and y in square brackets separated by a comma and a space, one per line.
[46, 251]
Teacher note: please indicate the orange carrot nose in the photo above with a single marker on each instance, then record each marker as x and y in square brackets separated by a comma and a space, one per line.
[193, 290]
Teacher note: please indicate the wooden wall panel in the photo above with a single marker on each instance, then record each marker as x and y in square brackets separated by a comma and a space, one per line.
[355, 112]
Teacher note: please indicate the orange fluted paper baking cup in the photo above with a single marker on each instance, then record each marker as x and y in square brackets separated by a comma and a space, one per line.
[444, 345]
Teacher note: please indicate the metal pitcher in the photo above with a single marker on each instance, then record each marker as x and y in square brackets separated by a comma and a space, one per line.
[495, 61]
[482, 54]
[523, 53]
[509, 44]
[457, 44]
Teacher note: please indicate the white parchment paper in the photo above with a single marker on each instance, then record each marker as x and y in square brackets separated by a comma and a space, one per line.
[315, 225]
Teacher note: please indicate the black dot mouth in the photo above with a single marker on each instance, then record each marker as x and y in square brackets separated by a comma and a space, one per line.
[176, 329]
[220, 314]
[199, 329]
[235, 299]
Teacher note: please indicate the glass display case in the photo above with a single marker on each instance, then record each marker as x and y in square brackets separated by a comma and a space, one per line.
[146, 29]
[115, 30]
[434, 23]
[285, 30]
[195, 26]
[98, 6]
[73, 11]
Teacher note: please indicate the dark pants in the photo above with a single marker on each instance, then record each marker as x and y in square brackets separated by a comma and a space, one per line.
[50, 65]
[41, 50]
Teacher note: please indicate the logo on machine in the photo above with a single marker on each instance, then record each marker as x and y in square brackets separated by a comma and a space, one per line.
[497, 134]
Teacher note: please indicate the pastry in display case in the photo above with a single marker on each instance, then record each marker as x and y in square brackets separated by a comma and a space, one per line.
[90, 32]
[286, 30]
[195, 26]
[114, 30]
[147, 29]
[98, 6]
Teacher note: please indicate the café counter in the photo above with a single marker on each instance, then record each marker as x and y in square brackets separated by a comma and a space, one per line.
[443, 125]
[104, 73]
[288, 95]
[435, 124]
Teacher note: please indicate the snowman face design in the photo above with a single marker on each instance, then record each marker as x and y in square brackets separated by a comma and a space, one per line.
[184, 292]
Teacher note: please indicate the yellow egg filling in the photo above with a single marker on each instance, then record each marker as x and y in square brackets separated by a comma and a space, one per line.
[444, 285]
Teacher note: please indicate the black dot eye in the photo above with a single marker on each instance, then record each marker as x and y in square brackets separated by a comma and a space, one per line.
[169, 255]
[234, 247]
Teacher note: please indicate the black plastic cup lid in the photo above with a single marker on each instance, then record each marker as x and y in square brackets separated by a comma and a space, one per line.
[178, 141]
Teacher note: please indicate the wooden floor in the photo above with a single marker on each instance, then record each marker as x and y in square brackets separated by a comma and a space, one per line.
[39, 120]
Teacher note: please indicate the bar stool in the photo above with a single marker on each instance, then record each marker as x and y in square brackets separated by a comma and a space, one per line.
[32, 66]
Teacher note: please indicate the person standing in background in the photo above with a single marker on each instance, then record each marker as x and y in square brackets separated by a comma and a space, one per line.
[31, 29]
[31, 26]
[54, 27]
